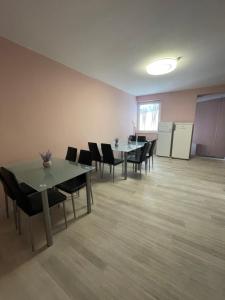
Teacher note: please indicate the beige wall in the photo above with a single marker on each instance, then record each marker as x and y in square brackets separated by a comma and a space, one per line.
[45, 105]
[179, 106]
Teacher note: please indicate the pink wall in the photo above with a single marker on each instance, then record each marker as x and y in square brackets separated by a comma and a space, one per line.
[179, 106]
[45, 105]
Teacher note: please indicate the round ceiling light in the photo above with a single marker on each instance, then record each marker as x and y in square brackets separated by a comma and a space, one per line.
[162, 66]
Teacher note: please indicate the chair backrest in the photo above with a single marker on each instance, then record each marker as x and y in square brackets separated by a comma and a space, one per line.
[85, 158]
[15, 189]
[149, 147]
[107, 152]
[132, 138]
[152, 147]
[144, 152]
[71, 154]
[7, 190]
[93, 147]
[141, 138]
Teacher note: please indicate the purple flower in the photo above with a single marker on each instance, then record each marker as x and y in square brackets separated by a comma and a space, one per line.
[46, 156]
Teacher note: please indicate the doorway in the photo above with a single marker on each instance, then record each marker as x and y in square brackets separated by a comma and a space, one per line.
[209, 129]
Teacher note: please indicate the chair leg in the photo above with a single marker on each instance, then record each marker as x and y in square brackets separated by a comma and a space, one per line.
[6, 206]
[140, 166]
[110, 167]
[92, 199]
[73, 203]
[31, 234]
[64, 212]
[113, 173]
[96, 166]
[122, 163]
[152, 161]
[15, 213]
[102, 169]
[19, 220]
[149, 164]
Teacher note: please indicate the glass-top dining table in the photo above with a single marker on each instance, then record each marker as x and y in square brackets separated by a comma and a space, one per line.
[125, 148]
[42, 179]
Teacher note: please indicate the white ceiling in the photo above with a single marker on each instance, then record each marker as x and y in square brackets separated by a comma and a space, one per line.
[113, 40]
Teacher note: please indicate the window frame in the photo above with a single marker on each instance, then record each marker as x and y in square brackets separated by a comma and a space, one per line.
[139, 103]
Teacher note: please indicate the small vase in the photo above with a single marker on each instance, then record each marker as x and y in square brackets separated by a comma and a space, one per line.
[47, 164]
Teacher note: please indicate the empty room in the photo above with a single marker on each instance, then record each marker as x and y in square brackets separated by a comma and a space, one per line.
[112, 150]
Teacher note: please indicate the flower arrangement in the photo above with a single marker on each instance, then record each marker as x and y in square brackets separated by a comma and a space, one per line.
[116, 141]
[46, 157]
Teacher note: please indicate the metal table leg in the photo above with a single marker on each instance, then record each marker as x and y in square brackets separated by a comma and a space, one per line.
[47, 218]
[125, 165]
[88, 192]
[121, 156]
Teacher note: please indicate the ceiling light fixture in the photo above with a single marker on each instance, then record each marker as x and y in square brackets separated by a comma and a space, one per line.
[162, 66]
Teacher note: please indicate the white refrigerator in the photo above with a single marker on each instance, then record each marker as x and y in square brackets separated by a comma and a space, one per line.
[164, 142]
[182, 138]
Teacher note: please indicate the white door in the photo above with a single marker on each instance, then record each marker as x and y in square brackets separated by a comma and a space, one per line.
[182, 140]
[164, 144]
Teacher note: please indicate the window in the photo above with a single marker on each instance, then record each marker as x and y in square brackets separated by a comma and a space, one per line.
[148, 116]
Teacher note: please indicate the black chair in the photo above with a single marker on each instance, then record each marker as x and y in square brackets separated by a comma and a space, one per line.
[85, 157]
[71, 154]
[96, 156]
[138, 159]
[108, 158]
[141, 139]
[75, 184]
[8, 194]
[132, 138]
[150, 152]
[31, 204]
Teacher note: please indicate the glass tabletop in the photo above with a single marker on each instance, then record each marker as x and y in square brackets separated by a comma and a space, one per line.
[35, 175]
[125, 147]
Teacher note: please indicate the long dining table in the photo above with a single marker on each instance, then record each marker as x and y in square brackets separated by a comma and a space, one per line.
[42, 179]
[125, 148]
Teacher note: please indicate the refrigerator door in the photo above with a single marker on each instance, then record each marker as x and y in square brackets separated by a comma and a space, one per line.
[182, 140]
[164, 144]
[165, 127]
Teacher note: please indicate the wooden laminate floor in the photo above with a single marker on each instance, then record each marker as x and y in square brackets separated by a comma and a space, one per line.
[161, 237]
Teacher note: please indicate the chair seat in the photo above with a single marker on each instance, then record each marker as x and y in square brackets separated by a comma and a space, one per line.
[117, 161]
[73, 185]
[34, 206]
[134, 155]
[135, 152]
[26, 189]
[134, 159]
